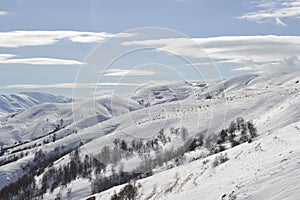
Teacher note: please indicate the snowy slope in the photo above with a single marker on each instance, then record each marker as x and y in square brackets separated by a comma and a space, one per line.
[19, 102]
[45, 118]
[267, 168]
[272, 102]
[265, 100]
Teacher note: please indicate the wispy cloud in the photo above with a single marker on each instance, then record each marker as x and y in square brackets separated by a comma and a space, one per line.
[4, 57]
[103, 92]
[290, 64]
[258, 53]
[11, 59]
[70, 85]
[273, 11]
[16, 39]
[124, 72]
[2, 13]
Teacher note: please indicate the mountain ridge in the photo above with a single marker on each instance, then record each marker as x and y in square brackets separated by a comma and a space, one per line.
[10, 103]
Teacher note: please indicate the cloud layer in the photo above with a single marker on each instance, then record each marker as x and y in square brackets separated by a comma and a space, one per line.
[273, 11]
[259, 53]
[16, 39]
[11, 59]
[71, 85]
[124, 72]
[268, 53]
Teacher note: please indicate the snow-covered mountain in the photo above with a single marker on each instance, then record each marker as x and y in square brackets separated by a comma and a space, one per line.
[267, 168]
[10, 103]
[149, 125]
[43, 119]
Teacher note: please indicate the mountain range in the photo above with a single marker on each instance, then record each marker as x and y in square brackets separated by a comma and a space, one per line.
[163, 142]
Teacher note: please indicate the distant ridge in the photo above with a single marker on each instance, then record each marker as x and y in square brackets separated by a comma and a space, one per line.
[10, 103]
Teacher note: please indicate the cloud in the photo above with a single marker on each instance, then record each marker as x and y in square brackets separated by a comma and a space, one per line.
[279, 22]
[258, 53]
[245, 68]
[124, 72]
[181, 46]
[10, 59]
[273, 11]
[257, 48]
[4, 57]
[2, 13]
[70, 85]
[16, 39]
[292, 64]
[103, 92]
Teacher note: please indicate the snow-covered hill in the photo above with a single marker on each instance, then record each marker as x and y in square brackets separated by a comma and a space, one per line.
[271, 102]
[267, 168]
[43, 119]
[10, 103]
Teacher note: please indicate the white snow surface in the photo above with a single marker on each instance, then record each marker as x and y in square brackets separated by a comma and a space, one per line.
[267, 168]
[10, 103]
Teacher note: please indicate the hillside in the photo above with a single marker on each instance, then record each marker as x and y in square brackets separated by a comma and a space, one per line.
[167, 117]
[10, 103]
[268, 168]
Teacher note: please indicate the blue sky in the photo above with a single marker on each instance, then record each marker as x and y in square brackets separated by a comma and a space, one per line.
[43, 43]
